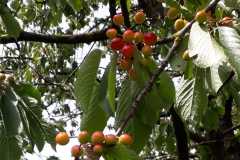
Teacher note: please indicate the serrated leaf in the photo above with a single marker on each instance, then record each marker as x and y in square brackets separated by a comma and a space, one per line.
[12, 26]
[217, 75]
[211, 118]
[230, 40]
[125, 98]
[120, 152]
[9, 110]
[166, 89]
[27, 90]
[108, 88]
[135, 127]
[10, 148]
[191, 97]
[204, 49]
[232, 3]
[111, 92]
[94, 118]
[86, 78]
[75, 4]
[140, 132]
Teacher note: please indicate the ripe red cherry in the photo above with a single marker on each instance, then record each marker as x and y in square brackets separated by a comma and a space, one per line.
[128, 35]
[98, 148]
[76, 151]
[83, 137]
[62, 138]
[128, 50]
[126, 139]
[110, 139]
[150, 38]
[118, 19]
[147, 50]
[138, 37]
[117, 43]
[139, 17]
[97, 137]
[111, 33]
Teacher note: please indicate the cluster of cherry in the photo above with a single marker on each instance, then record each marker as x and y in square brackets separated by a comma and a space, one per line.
[126, 44]
[97, 141]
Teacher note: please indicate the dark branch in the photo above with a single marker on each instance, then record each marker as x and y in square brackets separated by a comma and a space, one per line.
[112, 8]
[231, 129]
[226, 120]
[181, 135]
[66, 39]
[196, 137]
[125, 13]
[232, 73]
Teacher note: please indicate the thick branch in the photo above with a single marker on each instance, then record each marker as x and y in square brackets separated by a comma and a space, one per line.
[112, 7]
[66, 39]
[125, 13]
[226, 120]
[181, 135]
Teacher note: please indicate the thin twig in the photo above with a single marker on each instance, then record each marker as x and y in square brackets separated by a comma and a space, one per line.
[231, 129]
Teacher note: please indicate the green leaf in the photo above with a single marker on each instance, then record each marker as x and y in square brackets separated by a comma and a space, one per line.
[10, 113]
[27, 90]
[108, 88]
[166, 89]
[211, 118]
[12, 26]
[140, 132]
[191, 97]
[50, 134]
[111, 92]
[86, 78]
[10, 148]
[217, 75]
[204, 49]
[120, 152]
[230, 40]
[127, 93]
[75, 4]
[88, 93]
[94, 118]
[232, 3]
[36, 131]
[136, 127]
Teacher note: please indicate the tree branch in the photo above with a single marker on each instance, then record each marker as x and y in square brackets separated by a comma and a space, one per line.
[125, 13]
[148, 86]
[112, 8]
[181, 135]
[64, 39]
[227, 131]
